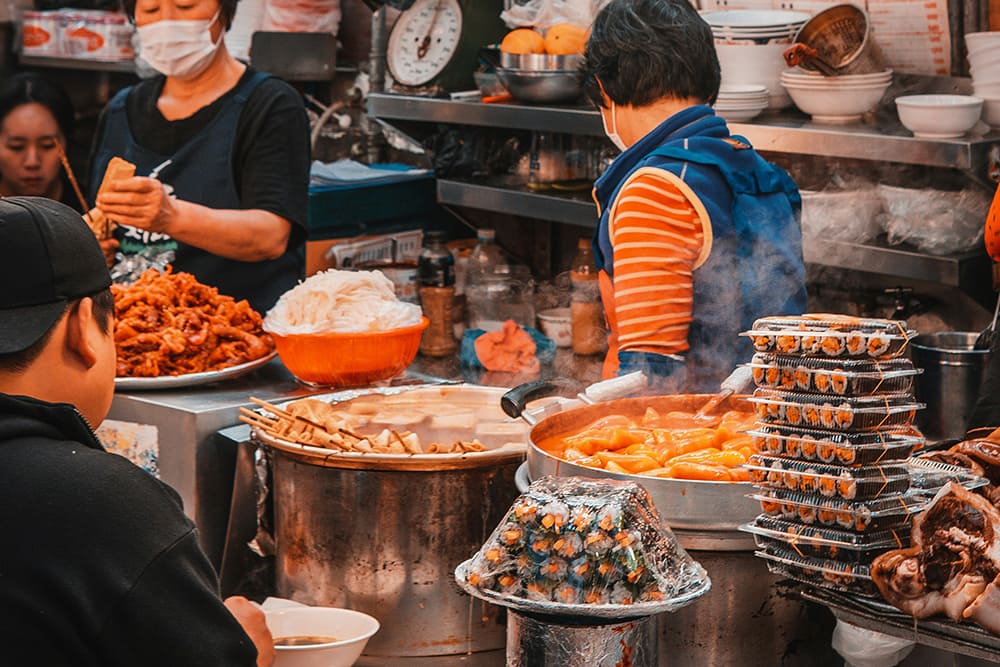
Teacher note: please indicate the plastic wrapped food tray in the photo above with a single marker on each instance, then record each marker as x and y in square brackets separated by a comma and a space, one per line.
[817, 542]
[856, 516]
[861, 448]
[838, 336]
[830, 481]
[569, 545]
[836, 377]
[927, 476]
[854, 578]
[841, 413]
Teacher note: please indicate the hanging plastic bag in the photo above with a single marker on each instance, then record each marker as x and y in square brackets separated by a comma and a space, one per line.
[543, 14]
[302, 16]
[866, 648]
[937, 222]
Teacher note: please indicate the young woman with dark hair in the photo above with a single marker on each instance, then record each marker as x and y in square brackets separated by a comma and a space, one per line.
[36, 118]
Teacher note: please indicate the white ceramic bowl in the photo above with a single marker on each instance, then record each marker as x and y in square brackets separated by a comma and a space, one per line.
[800, 76]
[741, 91]
[557, 325]
[939, 116]
[755, 18]
[986, 89]
[350, 629]
[977, 41]
[836, 104]
[759, 64]
[984, 59]
[991, 111]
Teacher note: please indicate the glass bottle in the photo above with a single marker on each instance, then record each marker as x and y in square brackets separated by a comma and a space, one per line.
[436, 275]
[586, 311]
[496, 289]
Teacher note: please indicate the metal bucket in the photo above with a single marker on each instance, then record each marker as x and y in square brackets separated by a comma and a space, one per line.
[842, 35]
[386, 542]
[949, 385]
[547, 642]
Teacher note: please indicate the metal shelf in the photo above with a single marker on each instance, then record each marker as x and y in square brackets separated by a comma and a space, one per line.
[575, 208]
[782, 132]
[122, 66]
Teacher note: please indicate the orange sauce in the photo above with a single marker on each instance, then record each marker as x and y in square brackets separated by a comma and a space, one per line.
[672, 445]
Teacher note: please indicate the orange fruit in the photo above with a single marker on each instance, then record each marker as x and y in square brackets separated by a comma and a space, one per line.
[523, 40]
[565, 39]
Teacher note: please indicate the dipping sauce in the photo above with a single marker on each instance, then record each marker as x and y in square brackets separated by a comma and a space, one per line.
[304, 640]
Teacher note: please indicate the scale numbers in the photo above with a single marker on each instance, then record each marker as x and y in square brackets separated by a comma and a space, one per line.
[424, 40]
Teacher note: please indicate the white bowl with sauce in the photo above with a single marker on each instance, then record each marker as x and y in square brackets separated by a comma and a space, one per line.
[319, 636]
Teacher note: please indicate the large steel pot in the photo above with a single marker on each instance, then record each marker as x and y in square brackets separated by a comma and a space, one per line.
[704, 515]
[383, 534]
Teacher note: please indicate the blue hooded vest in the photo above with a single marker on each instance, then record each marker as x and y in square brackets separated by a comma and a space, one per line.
[755, 266]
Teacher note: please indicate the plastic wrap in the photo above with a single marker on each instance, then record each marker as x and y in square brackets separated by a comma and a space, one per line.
[841, 377]
[937, 222]
[853, 578]
[859, 517]
[859, 413]
[823, 335]
[928, 477]
[301, 16]
[804, 444]
[861, 647]
[845, 215]
[543, 14]
[575, 546]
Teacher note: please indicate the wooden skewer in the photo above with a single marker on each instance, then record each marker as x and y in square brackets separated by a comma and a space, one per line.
[72, 177]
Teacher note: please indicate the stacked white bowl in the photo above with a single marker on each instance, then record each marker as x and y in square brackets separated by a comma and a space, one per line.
[984, 66]
[835, 99]
[739, 102]
[750, 43]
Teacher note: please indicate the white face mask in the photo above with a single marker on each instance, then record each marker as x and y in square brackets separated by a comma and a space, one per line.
[613, 132]
[181, 49]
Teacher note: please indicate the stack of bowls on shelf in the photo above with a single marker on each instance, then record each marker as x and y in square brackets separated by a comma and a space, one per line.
[984, 66]
[835, 99]
[835, 409]
[939, 116]
[741, 102]
[750, 44]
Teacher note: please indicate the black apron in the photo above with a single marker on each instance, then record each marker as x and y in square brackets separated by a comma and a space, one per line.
[201, 171]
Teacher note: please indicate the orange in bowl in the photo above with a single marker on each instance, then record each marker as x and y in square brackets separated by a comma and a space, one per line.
[349, 359]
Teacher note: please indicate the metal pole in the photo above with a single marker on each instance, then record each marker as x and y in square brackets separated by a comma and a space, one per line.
[376, 58]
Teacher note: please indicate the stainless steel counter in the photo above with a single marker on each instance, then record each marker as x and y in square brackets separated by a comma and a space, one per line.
[190, 459]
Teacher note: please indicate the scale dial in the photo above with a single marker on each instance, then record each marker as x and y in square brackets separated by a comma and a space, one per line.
[424, 40]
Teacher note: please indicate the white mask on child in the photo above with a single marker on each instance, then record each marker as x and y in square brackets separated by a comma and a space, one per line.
[613, 132]
[181, 49]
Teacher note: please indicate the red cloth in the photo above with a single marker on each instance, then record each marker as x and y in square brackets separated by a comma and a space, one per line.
[510, 349]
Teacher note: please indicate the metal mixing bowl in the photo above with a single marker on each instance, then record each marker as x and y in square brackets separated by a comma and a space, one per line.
[540, 61]
[542, 86]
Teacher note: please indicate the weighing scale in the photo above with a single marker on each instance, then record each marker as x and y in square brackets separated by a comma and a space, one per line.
[434, 45]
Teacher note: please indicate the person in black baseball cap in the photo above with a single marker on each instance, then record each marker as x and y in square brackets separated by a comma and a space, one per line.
[100, 565]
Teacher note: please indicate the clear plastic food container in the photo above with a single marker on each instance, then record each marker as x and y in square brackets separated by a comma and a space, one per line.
[830, 481]
[824, 335]
[836, 377]
[834, 447]
[816, 542]
[856, 516]
[842, 413]
[854, 578]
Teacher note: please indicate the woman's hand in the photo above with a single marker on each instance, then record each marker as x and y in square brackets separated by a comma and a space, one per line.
[254, 624]
[140, 202]
[109, 247]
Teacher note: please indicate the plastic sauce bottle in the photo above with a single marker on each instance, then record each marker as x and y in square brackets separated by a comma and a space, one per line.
[586, 311]
[436, 275]
[484, 283]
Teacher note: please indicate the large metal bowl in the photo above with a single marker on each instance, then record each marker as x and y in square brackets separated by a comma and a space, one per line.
[541, 86]
[540, 61]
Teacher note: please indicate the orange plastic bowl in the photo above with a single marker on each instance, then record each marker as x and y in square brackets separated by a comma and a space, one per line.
[349, 359]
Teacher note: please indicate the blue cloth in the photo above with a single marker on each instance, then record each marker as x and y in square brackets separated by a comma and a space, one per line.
[200, 171]
[545, 347]
[755, 267]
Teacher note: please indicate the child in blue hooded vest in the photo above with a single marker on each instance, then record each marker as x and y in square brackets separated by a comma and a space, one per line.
[698, 234]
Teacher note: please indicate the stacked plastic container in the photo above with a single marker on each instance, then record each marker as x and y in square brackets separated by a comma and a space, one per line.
[835, 408]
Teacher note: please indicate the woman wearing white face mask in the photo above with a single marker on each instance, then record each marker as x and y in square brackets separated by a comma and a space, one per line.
[698, 235]
[229, 149]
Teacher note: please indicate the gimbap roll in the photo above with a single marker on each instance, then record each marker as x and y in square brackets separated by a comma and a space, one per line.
[581, 518]
[810, 415]
[827, 416]
[758, 375]
[846, 454]
[525, 510]
[808, 447]
[512, 536]
[567, 593]
[580, 570]
[539, 546]
[809, 481]
[772, 376]
[856, 343]
[810, 343]
[596, 595]
[833, 345]
[787, 343]
[844, 416]
[793, 446]
[552, 568]
[790, 480]
[787, 380]
[807, 514]
[538, 592]
[621, 594]
[609, 518]
[568, 545]
[826, 450]
[838, 382]
[878, 344]
[803, 378]
[598, 543]
[793, 414]
[847, 487]
[554, 516]
[507, 583]
[821, 380]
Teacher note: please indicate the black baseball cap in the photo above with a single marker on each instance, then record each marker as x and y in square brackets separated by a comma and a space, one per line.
[48, 257]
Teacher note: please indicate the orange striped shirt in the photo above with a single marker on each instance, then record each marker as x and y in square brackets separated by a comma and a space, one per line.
[659, 239]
